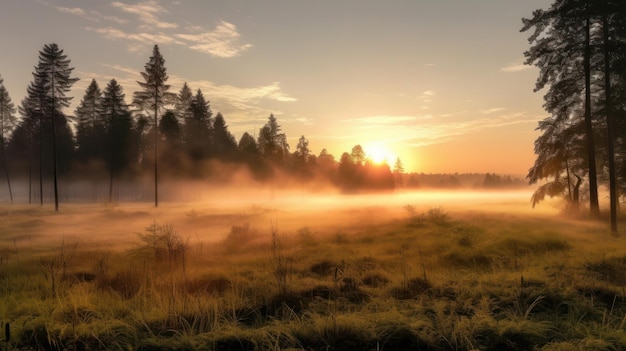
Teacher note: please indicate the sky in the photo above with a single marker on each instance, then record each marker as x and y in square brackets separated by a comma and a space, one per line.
[438, 83]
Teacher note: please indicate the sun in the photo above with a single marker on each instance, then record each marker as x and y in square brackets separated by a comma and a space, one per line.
[379, 153]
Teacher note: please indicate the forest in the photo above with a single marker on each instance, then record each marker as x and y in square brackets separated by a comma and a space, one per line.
[107, 142]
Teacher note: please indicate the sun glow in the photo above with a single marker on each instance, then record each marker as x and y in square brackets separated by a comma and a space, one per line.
[379, 153]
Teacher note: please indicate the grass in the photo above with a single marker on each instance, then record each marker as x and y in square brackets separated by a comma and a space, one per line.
[422, 280]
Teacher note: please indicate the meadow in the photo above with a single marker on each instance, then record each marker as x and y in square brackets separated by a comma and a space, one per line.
[294, 271]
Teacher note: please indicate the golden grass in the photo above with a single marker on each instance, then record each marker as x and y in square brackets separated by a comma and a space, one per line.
[265, 277]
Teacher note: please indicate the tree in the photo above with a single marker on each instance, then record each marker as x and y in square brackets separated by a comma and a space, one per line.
[562, 49]
[398, 170]
[183, 101]
[8, 122]
[197, 133]
[153, 98]
[272, 143]
[118, 125]
[89, 124]
[224, 144]
[358, 155]
[579, 46]
[169, 128]
[51, 82]
[302, 155]
[247, 145]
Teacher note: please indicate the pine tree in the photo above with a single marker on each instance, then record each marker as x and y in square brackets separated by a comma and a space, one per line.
[398, 170]
[7, 125]
[154, 98]
[89, 124]
[51, 82]
[183, 101]
[272, 143]
[579, 47]
[302, 155]
[563, 51]
[224, 143]
[118, 124]
[197, 133]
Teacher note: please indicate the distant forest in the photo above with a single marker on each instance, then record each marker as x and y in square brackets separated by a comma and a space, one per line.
[167, 136]
[580, 50]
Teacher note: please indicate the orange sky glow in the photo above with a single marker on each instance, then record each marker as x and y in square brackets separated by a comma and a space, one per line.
[439, 84]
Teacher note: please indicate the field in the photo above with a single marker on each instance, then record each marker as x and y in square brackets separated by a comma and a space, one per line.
[295, 271]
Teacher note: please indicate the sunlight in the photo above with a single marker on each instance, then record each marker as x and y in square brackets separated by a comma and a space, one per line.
[378, 153]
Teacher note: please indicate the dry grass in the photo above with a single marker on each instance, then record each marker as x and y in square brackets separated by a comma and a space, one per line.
[186, 277]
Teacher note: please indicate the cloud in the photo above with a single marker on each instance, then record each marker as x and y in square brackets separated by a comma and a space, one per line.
[423, 130]
[142, 38]
[515, 67]
[384, 120]
[147, 12]
[493, 110]
[223, 41]
[71, 10]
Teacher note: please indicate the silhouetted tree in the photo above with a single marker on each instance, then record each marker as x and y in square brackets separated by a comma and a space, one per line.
[170, 129]
[577, 45]
[153, 98]
[247, 145]
[118, 122]
[272, 143]
[89, 124]
[183, 102]
[358, 155]
[197, 133]
[52, 81]
[8, 122]
[562, 50]
[398, 170]
[348, 172]
[302, 155]
[224, 144]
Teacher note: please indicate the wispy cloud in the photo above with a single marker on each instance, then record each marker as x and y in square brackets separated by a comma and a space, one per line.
[72, 10]
[423, 130]
[493, 110]
[142, 38]
[223, 41]
[515, 67]
[383, 120]
[147, 12]
[93, 16]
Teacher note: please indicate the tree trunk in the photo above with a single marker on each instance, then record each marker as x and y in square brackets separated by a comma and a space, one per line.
[112, 141]
[41, 159]
[6, 170]
[3, 153]
[54, 151]
[156, 160]
[591, 152]
[610, 124]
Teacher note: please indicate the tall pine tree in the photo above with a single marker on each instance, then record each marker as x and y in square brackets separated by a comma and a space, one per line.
[51, 82]
[118, 124]
[153, 99]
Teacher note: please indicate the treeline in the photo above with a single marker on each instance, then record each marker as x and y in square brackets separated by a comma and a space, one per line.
[160, 134]
[475, 181]
[580, 48]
